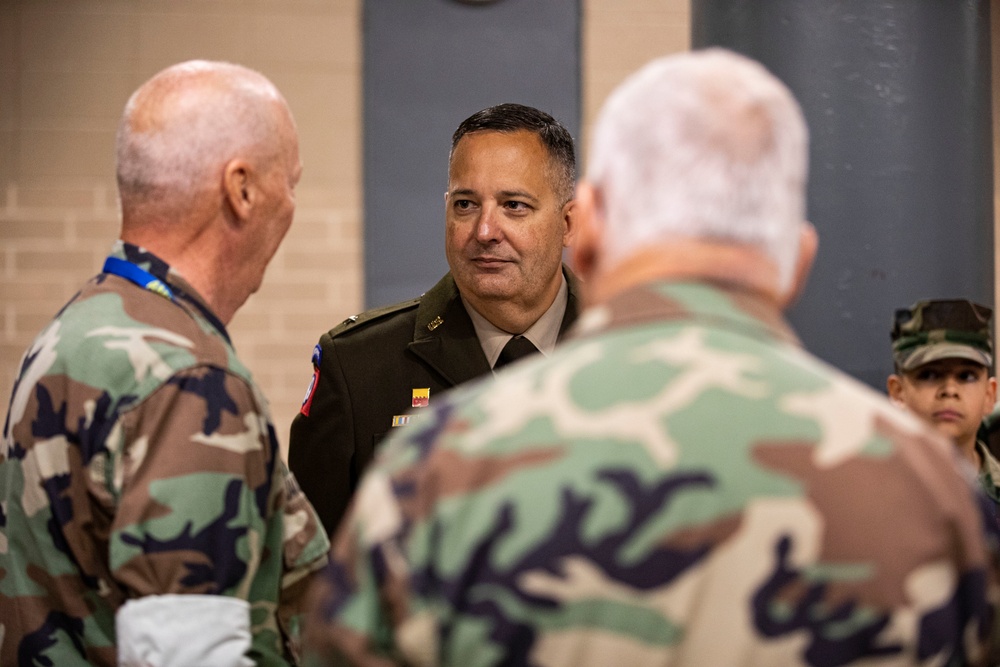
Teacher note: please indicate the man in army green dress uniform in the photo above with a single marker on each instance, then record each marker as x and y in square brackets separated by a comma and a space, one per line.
[509, 214]
[146, 517]
[680, 483]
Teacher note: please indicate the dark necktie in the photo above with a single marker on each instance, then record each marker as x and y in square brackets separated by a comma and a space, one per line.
[516, 347]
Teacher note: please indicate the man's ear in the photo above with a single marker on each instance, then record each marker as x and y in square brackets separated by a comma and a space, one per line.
[808, 245]
[237, 188]
[569, 222]
[585, 251]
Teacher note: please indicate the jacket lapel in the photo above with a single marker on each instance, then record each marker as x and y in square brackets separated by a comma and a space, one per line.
[444, 337]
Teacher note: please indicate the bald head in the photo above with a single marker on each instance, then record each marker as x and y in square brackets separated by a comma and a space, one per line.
[181, 127]
[705, 145]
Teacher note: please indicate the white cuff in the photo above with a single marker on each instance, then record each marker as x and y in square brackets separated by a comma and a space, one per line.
[183, 631]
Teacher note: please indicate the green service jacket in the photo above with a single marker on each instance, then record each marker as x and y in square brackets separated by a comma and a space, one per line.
[369, 372]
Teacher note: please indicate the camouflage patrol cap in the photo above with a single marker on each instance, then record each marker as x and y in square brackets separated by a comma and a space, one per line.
[941, 329]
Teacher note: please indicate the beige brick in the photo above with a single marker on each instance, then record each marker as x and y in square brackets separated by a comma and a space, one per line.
[96, 230]
[311, 233]
[57, 259]
[326, 106]
[318, 99]
[314, 321]
[10, 354]
[10, 113]
[340, 7]
[17, 230]
[331, 142]
[594, 8]
[307, 38]
[318, 195]
[275, 349]
[76, 41]
[249, 320]
[167, 38]
[27, 324]
[60, 193]
[280, 291]
[8, 160]
[83, 6]
[338, 258]
[25, 288]
[8, 38]
[66, 153]
[44, 95]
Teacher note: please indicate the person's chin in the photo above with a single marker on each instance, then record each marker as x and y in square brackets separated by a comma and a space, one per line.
[949, 428]
[491, 287]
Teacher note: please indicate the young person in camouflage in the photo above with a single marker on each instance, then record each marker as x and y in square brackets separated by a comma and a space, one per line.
[147, 517]
[681, 483]
[942, 351]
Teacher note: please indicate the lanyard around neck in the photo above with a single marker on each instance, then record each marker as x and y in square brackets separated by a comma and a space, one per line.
[146, 280]
[137, 275]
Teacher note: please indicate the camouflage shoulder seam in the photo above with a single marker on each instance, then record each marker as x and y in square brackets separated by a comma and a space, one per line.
[370, 316]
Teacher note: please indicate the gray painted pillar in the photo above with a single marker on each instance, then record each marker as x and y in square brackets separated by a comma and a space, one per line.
[428, 65]
[897, 97]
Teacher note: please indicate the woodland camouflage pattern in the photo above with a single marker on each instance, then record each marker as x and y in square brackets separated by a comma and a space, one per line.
[138, 458]
[941, 329]
[679, 485]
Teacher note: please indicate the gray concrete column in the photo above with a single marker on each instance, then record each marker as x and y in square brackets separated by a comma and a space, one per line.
[897, 96]
[427, 66]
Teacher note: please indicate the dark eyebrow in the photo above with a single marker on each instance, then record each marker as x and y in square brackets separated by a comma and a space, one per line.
[503, 194]
[519, 194]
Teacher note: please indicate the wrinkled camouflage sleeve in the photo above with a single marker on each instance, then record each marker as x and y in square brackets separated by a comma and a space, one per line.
[198, 484]
[305, 553]
[364, 595]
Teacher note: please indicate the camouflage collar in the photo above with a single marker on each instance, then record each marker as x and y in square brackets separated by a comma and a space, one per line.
[183, 290]
[727, 305]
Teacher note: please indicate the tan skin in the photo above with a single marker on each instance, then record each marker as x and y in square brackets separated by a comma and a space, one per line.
[953, 395]
[229, 231]
[693, 258]
[505, 227]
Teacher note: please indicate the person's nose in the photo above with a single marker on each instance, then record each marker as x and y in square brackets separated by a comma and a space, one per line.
[488, 227]
[949, 386]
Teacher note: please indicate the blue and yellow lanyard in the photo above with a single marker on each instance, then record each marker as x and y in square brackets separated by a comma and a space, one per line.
[146, 280]
[137, 275]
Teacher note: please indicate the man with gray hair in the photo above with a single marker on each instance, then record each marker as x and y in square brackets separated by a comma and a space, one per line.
[146, 517]
[680, 483]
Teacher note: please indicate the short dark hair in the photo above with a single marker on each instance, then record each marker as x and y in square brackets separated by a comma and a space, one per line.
[509, 117]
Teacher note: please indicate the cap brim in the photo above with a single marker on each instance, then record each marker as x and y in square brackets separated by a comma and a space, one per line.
[937, 351]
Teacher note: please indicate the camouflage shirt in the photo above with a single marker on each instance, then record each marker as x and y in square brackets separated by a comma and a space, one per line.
[138, 458]
[989, 476]
[679, 485]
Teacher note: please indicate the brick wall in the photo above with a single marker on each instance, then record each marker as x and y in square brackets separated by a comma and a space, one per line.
[619, 36]
[66, 70]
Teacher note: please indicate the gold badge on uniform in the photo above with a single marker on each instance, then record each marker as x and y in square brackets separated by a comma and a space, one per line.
[421, 398]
